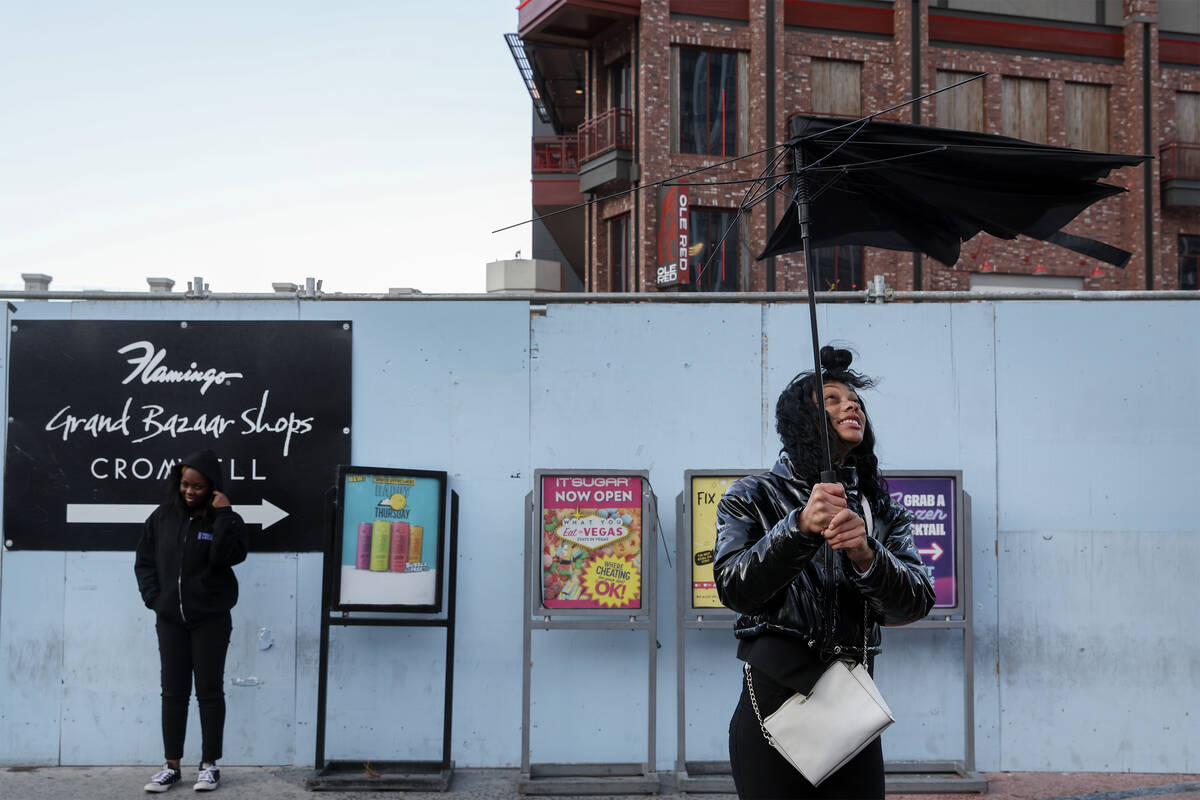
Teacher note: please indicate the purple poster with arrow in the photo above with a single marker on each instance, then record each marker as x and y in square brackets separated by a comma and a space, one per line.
[931, 500]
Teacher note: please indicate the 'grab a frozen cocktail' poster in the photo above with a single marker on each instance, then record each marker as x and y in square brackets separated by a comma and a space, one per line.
[591, 541]
[390, 540]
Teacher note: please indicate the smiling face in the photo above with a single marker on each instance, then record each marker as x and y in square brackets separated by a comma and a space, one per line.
[194, 488]
[846, 414]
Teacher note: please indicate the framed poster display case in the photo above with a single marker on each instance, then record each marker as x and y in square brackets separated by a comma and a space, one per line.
[387, 552]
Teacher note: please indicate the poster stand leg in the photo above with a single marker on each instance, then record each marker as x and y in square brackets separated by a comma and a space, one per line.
[360, 775]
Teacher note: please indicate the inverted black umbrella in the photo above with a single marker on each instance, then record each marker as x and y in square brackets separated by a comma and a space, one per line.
[911, 187]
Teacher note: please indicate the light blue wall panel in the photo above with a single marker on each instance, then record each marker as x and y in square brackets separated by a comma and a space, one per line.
[307, 655]
[148, 310]
[663, 388]
[1096, 397]
[446, 386]
[260, 680]
[933, 408]
[1006, 392]
[713, 678]
[31, 657]
[110, 684]
[921, 677]
[588, 697]
[1099, 664]
[385, 693]
[1098, 436]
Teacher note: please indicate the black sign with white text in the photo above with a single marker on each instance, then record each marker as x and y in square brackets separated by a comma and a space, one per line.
[99, 412]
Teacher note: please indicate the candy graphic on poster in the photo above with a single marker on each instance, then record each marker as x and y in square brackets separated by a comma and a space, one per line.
[591, 541]
[390, 540]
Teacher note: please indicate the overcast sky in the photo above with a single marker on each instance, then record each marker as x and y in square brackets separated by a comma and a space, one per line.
[368, 143]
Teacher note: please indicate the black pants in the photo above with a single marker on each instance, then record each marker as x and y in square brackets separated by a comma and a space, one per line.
[195, 648]
[761, 773]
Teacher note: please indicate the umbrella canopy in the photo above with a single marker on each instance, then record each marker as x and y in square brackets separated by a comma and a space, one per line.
[911, 187]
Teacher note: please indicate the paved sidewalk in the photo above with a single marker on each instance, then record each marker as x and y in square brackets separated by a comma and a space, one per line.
[287, 783]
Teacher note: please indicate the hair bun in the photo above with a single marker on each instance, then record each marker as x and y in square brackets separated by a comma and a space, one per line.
[833, 358]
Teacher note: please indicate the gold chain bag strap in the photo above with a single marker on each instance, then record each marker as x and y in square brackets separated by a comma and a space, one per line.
[819, 732]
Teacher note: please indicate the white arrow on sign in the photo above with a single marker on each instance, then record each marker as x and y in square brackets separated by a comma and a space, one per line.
[934, 551]
[265, 513]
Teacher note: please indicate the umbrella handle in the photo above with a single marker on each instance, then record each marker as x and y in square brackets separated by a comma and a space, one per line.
[828, 476]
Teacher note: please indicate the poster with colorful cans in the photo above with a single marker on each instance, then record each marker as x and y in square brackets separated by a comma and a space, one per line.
[704, 493]
[591, 536]
[389, 548]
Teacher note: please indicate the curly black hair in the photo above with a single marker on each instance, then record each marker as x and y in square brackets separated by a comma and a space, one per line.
[798, 420]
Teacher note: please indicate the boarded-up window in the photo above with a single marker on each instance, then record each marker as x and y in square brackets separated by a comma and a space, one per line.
[836, 88]
[1187, 116]
[1086, 106]
[960, 108]
[1024, 109]
[1187, 133]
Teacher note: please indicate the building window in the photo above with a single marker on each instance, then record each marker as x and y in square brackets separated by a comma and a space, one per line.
[714, 265]
[1024, 109]
[619, 85]
[836, 87]
[707, 101]
[839, 269]
[1086, 107]
[960, 108]
[618, 253]
[1189, 261]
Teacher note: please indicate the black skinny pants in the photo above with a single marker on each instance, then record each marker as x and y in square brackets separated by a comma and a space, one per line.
[762, 774]
[195, 648]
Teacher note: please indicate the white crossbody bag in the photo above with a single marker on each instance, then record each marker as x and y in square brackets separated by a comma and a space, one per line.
[819, 732]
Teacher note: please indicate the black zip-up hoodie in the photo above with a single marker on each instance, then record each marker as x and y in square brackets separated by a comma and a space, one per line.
[185, 559]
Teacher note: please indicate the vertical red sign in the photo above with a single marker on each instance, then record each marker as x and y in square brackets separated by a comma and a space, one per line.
[673, 236]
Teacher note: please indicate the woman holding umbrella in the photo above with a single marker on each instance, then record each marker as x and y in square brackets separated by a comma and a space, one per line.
[793, 557]
[184, 570]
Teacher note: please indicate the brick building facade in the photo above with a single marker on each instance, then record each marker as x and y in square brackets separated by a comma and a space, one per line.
[637, 92]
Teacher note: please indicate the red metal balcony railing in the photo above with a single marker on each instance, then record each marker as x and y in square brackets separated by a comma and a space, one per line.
[1180, 160]
[555, 154]
[607, 131]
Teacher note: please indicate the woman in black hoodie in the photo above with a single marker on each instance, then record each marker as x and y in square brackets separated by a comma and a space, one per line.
[184, 570]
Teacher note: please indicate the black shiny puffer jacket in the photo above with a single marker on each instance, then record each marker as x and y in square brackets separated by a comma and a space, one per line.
[779, 579]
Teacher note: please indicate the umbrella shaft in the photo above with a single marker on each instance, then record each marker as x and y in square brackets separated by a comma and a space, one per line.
[802, 212]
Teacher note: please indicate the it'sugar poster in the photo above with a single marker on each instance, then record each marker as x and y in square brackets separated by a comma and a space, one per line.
[591, 541]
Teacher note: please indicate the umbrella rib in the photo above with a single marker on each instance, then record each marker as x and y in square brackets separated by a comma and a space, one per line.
[734, 182]
[762, 176]
[862, 124]
[868, 164]
[768, 192]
